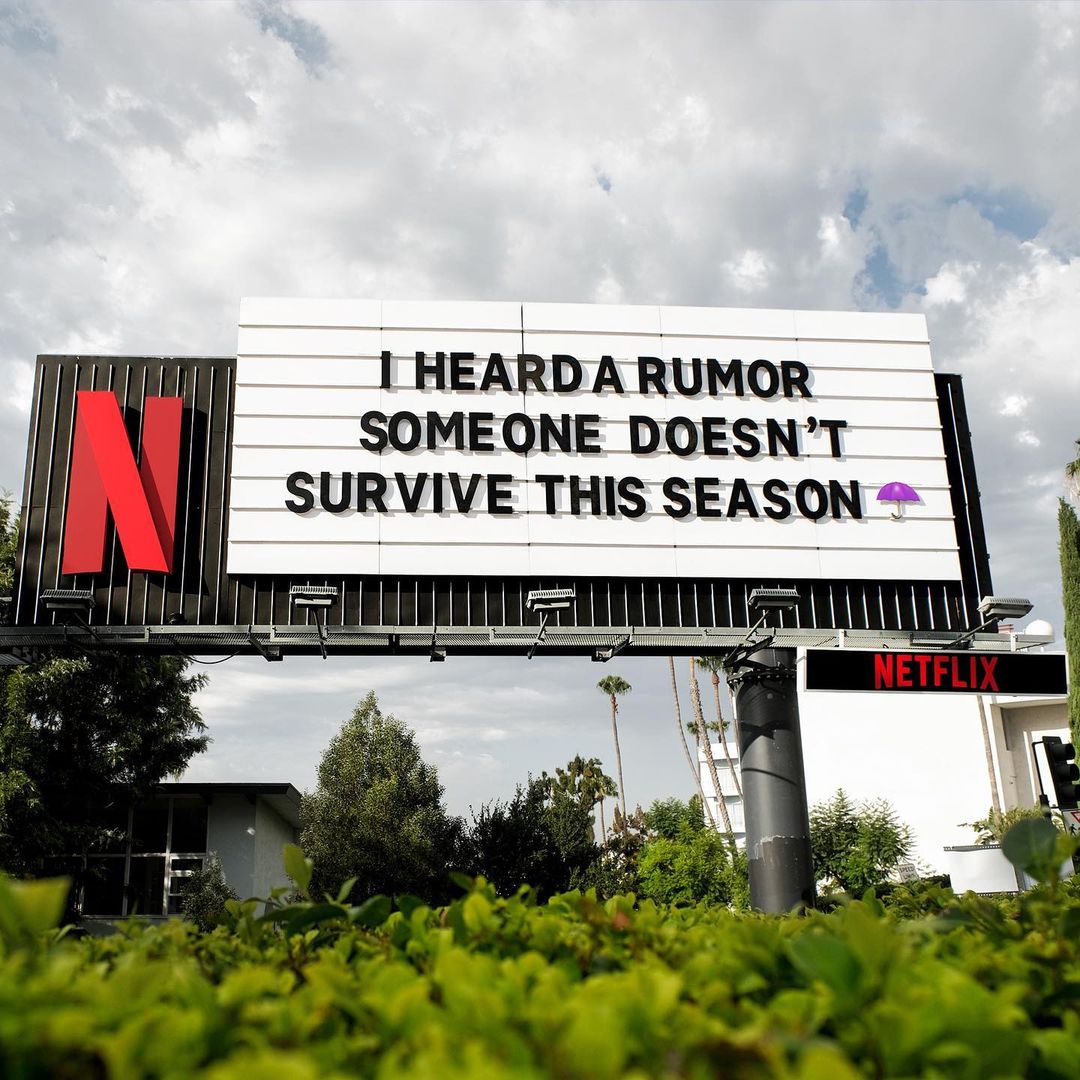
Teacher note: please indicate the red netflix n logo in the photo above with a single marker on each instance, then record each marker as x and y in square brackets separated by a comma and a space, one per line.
[104, 477]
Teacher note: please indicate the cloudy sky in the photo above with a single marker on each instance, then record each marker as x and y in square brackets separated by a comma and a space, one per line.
[161, 159]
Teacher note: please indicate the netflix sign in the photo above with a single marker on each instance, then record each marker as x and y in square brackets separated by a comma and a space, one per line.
[893, 670]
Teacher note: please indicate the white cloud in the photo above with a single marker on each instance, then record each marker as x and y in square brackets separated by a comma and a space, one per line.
[1014, 405]
[163, 159]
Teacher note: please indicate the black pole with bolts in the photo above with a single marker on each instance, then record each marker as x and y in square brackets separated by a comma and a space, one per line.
[773, 781]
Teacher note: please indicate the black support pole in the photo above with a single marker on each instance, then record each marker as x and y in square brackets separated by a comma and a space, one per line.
[773, 782]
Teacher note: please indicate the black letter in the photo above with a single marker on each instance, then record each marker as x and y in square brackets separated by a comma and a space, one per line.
[772, 378]
[549, 483]
[461, 373]
[650, 372]
[636, 445]
[496, 372]
[803, 502]
[741, 500]
[585, 430]
[607, 377]
[371, 486]
[306, 498]
[499, 493]
[743, 430]
[850, 499]
[630, 488]
[674, 489]
[776, 492]
[324, 493]
[795, 377]
[377, 443]
[558, 383]
[834, 427]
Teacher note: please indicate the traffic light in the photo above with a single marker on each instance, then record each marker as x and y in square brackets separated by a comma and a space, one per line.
[1064, 774]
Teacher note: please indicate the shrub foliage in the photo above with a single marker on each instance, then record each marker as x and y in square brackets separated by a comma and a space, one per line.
[492, 988]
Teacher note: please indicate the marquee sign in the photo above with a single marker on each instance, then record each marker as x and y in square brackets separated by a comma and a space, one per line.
[899, 670]
[525, 438]
[428, 465]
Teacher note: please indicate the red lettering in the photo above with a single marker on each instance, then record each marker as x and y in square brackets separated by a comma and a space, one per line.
[903, 671]
[883, 671]
[957, 684]
[104, 477]
[989, 676]
[941, 664]
[924, 664]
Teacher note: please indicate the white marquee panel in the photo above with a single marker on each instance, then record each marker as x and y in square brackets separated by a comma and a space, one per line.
[307, 371]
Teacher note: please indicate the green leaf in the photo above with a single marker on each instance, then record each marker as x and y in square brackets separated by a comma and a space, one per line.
[1030, 845]
[408, 903]
[827, 959]
[41, 902]
[373, 912]
[298, 867]
[462, 881]
[346, 888]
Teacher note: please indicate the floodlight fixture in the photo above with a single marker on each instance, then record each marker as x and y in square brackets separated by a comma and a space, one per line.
[774, 599]
[933, 640]
[602, 656]
[77, 600]
[545, 601]
[313, 596]
[550, 599]
[992, 608]
[268, 652]
[73, 606]
[319, 598]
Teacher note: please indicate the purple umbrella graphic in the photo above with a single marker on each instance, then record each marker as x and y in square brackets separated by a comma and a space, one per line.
[898, 493]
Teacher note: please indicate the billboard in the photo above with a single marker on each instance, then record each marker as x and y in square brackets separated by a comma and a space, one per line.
[515, 438]
[431, 463]
[935, 672]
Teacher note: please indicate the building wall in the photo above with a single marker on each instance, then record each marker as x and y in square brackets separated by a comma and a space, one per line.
[230, 819]
[732, 798]
[272, 833]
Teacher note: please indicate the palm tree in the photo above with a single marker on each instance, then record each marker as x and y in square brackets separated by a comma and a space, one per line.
[613, 686]
[695, 771]
[703, 737]
[599, 787]
[714, 665]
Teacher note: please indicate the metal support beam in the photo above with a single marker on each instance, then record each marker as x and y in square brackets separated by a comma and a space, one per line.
[773, 781]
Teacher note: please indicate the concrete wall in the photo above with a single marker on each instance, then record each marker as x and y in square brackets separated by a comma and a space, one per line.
[228, 836]
[922, 752]
[272, 833]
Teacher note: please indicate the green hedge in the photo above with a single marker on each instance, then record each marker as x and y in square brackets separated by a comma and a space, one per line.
[490, 988]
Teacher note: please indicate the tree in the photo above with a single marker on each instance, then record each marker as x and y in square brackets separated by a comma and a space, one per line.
[377, 813]
[695, 770]
[683, 862]
[205, 894]
[1069, 552]
[614, 686]
[543, 837]
[857, 846]
[714, 665]
[671, 818]
[704, 740]
[81, 735]
[600, 786]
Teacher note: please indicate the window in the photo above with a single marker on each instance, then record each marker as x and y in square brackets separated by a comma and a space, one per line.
[151, 852]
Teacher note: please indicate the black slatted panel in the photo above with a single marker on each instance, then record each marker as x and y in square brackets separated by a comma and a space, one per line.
[199, 591]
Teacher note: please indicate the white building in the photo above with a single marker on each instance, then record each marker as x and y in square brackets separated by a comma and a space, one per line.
[160, 842]
[730, 778]
[924, 753]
